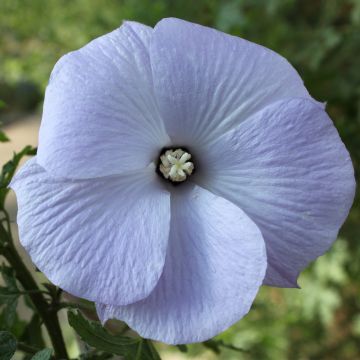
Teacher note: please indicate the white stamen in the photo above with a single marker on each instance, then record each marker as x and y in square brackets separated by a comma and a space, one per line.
[185, 157]
[175, 165]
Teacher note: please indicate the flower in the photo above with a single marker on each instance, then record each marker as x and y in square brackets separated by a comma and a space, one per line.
[263, 180]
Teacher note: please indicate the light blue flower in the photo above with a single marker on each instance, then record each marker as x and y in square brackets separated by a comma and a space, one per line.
[264, 181]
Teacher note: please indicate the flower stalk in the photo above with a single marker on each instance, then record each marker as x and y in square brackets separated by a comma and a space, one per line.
[45, 310]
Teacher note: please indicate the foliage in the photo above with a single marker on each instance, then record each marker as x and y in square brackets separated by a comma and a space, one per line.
[9, 295]
[7, 345]
[43, 355]
[96, 336]
[321, 38]
[8, 171]
[3, 137]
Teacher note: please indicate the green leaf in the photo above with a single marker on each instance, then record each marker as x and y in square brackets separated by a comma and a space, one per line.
[7, 345]
[183, 348]
[3, 137]
[9, 296]
[9, 277]
[96, 336]
[212, 345]
[5, 293]
[8, 171]
[216, 345]
[16, 328]
[149, 346]
[9, 314]
[43, 355]
[2, 104]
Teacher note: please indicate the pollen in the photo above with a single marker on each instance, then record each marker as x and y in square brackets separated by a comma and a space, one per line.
[175, 166]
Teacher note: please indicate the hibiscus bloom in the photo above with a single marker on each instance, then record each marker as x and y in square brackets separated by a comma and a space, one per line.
[263, 181]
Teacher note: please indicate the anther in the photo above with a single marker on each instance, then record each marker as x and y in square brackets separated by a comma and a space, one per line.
[174, 165]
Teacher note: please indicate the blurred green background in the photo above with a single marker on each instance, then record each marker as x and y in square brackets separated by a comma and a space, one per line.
[322, 40]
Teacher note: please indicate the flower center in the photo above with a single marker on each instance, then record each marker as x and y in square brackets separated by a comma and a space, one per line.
[174, 165]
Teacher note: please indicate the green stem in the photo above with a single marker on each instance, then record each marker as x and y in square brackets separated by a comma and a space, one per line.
[27, 292]
[48, 315]
[27, 348]
[215, 345]
[64, 305]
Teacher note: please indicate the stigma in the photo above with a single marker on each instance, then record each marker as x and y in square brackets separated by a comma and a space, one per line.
[174, 165]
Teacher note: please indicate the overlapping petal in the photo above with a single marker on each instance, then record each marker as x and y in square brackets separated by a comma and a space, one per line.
[215, 264]
[104, 239]
[207, 82]
[287, 168]
[100, 114]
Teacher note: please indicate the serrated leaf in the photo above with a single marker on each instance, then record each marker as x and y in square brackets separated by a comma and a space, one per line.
[3, 137]
[9, 296]
[8, 345]
[9, 314]
[8, 171]
[43, 355]
[6, 293]
[96, 336]
[8, 275]
[16, 328]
